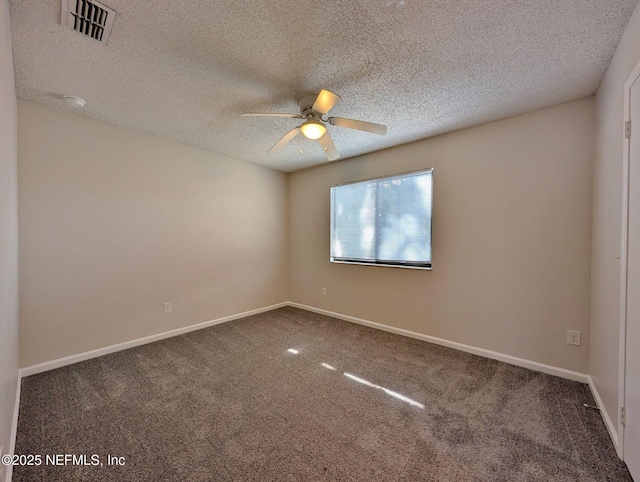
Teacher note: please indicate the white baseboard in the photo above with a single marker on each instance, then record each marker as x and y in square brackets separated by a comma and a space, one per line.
[68, 360]
[521, 362]
[613, 433]
[14, 428]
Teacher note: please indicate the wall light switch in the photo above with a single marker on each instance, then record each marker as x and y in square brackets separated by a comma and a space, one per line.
[324, 291]
[167, 307]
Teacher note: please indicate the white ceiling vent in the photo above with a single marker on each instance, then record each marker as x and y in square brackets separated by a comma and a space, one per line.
[90, 18]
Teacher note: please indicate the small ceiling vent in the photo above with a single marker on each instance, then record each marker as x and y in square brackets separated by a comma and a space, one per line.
[90, 18]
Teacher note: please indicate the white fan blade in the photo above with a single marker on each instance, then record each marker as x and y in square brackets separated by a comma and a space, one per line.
[280, 144]
[329, 147]
[258, 114]
[325, 101]
[359, 125]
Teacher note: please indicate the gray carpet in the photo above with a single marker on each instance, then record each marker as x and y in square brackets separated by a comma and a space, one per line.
[232, 403]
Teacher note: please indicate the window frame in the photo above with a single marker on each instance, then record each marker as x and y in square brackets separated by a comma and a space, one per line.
[374, 262]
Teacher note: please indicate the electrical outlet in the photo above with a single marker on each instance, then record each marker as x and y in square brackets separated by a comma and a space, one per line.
[573, 337]
[324, 291]
[167, 307]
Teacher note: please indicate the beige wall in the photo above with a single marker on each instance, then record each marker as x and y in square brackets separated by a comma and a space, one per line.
[607, 209]
[114, 222]
[8, 233]
[511, 246]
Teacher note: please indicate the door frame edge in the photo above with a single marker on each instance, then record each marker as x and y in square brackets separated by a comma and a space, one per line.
[622, 341]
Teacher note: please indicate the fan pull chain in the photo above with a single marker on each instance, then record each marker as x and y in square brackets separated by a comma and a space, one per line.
[300, 142]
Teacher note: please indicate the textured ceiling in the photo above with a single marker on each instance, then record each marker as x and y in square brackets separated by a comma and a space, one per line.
[186, 70]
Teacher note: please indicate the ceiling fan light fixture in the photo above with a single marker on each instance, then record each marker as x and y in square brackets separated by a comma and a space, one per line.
[313, 129]
[312, 110]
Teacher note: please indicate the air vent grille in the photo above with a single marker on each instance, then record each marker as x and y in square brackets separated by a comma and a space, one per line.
[89, 18]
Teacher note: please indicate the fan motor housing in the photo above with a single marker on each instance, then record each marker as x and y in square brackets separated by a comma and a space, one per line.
[306, 106]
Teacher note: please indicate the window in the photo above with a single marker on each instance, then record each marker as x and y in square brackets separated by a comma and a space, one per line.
[384, 221]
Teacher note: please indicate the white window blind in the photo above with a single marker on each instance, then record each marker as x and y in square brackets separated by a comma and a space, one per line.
[384, 221]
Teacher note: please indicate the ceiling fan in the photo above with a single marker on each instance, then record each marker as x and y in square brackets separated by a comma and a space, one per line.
[313, 108]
